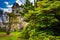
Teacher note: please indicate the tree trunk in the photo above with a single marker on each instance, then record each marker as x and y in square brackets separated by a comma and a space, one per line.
[8, 29]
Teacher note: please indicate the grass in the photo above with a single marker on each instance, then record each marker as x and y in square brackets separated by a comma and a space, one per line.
[12, 36]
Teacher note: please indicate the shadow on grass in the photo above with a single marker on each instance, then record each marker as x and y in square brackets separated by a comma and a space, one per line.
[12, 36]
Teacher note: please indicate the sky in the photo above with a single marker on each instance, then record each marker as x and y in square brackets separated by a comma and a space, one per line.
[7, 4]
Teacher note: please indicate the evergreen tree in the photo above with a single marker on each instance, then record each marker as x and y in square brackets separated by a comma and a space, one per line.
[44, 21]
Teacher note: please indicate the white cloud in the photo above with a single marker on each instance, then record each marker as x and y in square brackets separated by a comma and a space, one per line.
[6, 3]
[19, 2]
[9, 5]
[6, 9]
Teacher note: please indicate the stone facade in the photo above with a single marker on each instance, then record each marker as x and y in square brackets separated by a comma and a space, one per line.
[4, 18]
[16, 9]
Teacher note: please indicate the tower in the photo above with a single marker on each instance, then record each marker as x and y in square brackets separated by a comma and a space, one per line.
[16, 9]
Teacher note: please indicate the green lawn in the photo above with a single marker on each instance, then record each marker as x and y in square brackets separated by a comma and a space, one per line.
[12, 36]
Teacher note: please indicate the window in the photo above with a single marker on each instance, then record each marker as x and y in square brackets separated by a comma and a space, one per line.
[17, 11]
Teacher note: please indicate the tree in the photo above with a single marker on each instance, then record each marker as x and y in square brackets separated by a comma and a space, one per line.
[43, 21]
[11, 21]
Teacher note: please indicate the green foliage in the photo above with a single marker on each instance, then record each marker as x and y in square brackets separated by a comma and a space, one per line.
[44, 21]
[11, 14]
[27, 6]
